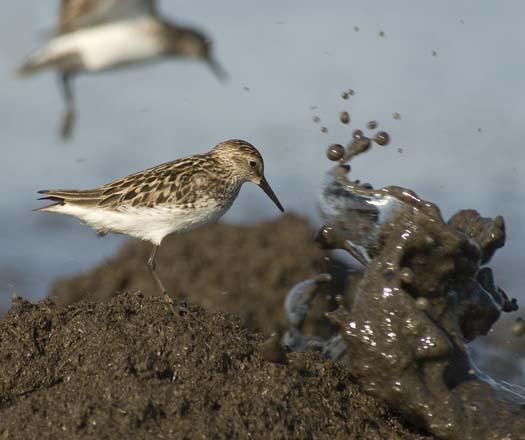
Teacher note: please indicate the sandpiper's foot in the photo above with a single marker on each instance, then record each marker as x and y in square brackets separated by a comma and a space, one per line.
[178, 309]
[169, 301]
[182, 308]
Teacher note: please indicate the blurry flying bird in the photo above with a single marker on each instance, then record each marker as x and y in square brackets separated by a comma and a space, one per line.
[98, 35]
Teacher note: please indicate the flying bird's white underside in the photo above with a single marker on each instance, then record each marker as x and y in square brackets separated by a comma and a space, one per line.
[105, 46]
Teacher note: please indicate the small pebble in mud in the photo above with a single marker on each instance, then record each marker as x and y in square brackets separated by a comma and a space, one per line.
[389, 274]
[518, 328]
[327, 237]
[434, 53]
[272, 349]
[371, 125]
[429, 241]
[344, 117]
[18, 300]
[381, 33]
[324, 130]
[356, 28]
[299, 364]
[323, 278]
[316, 119]
[422, 303]
[357, 135]
[382, 138]
[406, 275]
[345, 95]
[335, 152]
[396, 115]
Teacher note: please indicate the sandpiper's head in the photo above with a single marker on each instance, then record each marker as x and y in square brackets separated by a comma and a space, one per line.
[245, 163]
[191, 43]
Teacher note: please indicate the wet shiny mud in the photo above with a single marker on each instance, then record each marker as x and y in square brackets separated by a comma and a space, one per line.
[127, 368]
[400, 330]
[404, 324]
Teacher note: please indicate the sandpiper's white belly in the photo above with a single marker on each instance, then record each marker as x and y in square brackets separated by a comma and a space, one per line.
[152, 224]
[105, 46]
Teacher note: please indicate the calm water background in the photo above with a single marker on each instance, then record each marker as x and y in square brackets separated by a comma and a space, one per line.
[283, 57]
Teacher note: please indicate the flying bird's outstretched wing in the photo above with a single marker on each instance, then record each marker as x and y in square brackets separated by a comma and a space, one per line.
[75, 14]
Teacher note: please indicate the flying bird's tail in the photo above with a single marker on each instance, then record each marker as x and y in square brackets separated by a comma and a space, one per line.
[43, 58]
[37, 61]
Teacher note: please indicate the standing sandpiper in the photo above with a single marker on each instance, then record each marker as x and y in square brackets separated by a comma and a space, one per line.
[98, 35]
[172, 197]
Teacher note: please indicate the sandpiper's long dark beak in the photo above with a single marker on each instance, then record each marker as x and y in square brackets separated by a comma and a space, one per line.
[217, 69]
[265, 186]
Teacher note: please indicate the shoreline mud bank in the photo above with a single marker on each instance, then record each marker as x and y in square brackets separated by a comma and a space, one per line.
[245, 270]
[129, 368]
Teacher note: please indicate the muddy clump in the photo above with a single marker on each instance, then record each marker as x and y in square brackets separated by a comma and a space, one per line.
[129, 368]
[424, 293]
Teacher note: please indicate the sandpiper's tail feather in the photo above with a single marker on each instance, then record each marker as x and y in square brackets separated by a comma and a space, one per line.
[60, 197]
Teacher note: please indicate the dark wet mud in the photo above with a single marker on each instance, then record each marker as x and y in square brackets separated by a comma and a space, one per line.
[308, 335]
[129, 368]
[424, 293]
[121, 366]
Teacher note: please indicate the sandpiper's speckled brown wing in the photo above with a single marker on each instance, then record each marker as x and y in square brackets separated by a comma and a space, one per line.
[179, 183]
[75, 14]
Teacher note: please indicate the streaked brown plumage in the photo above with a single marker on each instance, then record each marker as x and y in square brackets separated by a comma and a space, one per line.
[172, 197]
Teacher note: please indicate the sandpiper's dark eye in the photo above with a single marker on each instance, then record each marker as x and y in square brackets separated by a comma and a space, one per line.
[253, 164]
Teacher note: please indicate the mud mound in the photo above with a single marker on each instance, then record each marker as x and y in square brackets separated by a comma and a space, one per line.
[246, 270]
[129, 368]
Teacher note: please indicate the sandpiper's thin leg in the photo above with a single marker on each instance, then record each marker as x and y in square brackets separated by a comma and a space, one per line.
[69, 98]
[151, 265]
